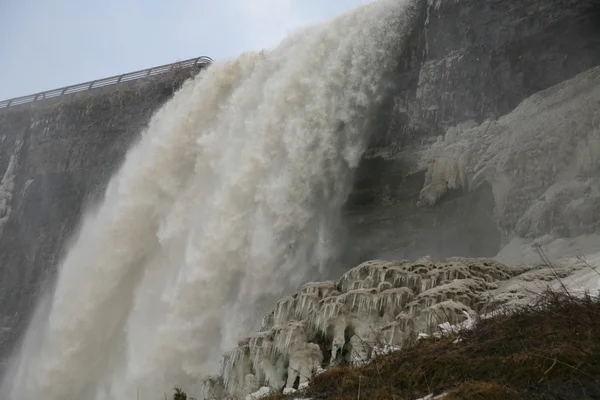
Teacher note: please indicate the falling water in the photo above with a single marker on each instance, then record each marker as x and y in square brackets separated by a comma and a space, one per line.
[229, 200]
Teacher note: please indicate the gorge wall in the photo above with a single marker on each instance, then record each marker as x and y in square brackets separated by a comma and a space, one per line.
[467, 61]
[57, 157]
[466, 64]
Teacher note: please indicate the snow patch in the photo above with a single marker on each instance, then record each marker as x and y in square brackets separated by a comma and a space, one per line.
[260, 393]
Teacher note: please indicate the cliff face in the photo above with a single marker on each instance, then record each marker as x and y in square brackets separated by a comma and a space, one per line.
[56, 158]
[467, 60]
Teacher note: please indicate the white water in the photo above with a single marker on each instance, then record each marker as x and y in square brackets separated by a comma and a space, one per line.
[229, 199]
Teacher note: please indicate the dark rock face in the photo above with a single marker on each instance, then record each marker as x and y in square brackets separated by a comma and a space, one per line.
[484, 57]
[63, 155]
[475, 59]
[466, 60]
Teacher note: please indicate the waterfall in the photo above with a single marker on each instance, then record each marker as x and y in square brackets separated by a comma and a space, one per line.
[230, 198]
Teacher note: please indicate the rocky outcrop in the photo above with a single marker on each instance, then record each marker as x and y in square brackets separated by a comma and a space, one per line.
[373, 308]
[541, 161]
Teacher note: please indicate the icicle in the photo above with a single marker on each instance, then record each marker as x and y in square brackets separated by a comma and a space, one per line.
[330, 308]
[394, 300]
[283, 311]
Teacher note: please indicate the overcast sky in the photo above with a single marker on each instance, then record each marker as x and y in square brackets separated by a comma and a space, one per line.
[46, 44]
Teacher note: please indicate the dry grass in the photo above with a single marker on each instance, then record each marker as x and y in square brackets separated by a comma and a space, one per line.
[548, 350]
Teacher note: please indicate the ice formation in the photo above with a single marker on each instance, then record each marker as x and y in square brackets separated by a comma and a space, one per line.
[542, 161]
[379, 307]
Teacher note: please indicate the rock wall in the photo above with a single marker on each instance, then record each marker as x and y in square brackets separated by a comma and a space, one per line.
[469, 61]
[377, 307]
[56, 158]
[542, 161]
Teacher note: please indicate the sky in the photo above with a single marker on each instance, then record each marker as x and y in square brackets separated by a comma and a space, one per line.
[47, 44]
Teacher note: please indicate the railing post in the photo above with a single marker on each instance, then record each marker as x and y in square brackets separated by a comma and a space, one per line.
[91, 85]
[9, 102]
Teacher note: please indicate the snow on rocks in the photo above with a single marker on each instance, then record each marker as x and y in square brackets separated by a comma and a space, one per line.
[540, 161]
[372, 309]
[259, 394]
[376, 308]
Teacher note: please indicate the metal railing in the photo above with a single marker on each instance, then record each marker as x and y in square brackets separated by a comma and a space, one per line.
[113, 80]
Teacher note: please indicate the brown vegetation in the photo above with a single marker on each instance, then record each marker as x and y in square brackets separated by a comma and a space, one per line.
[548, 350]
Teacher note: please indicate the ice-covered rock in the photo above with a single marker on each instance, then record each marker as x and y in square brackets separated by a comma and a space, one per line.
[305, 360]
[541, 161]
[377, 307]
[211, 388]
[259, 394]
[374, 308]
